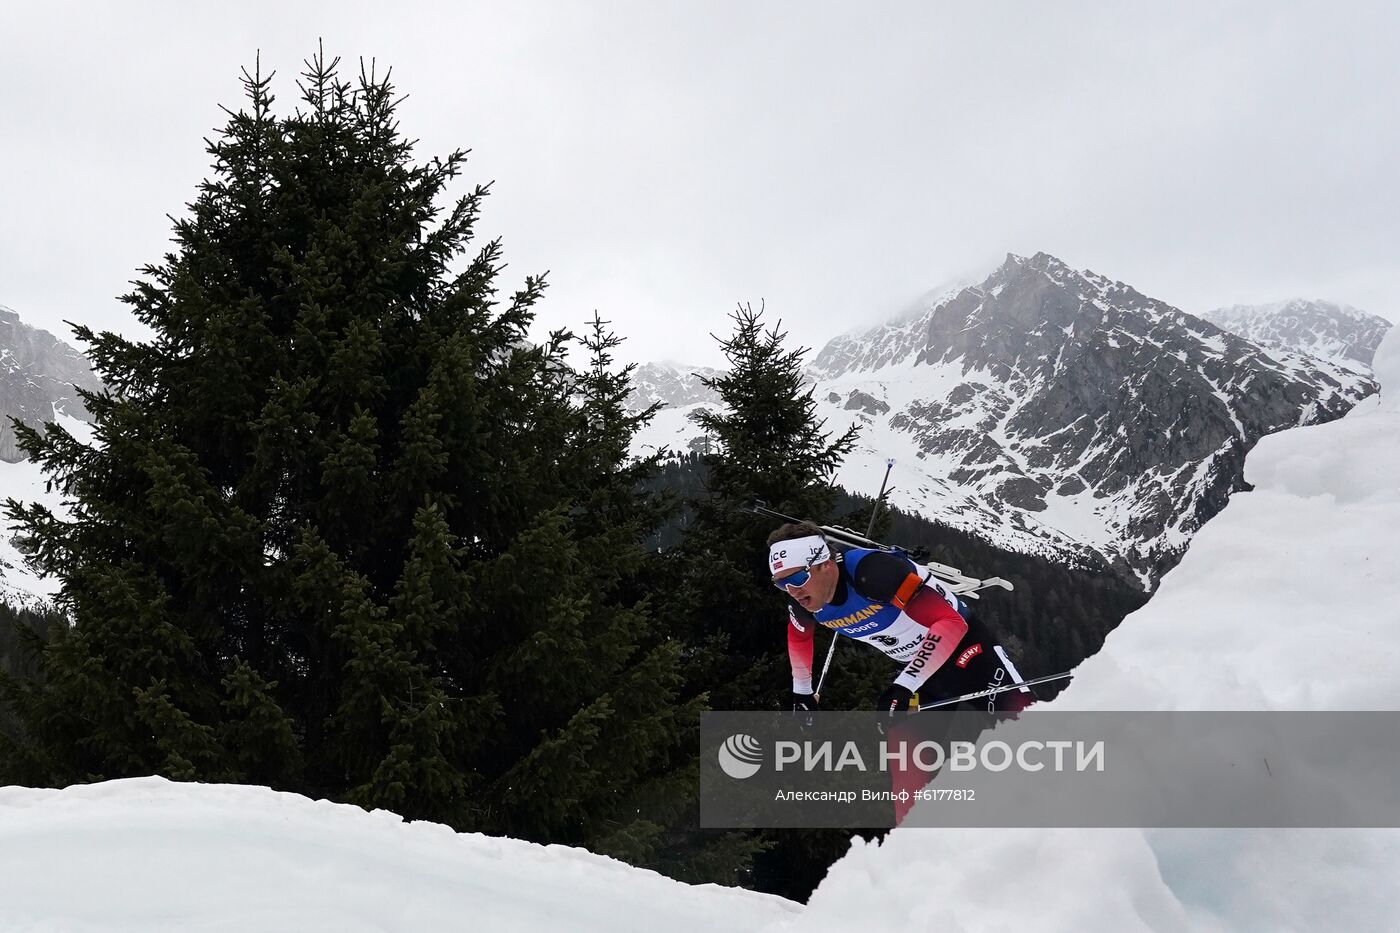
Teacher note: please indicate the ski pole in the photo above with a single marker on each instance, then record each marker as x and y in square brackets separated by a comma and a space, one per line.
[995, 690]
[869, 530]
[817, 693]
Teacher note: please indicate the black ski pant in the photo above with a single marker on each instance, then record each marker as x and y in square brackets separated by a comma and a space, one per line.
[979, 663]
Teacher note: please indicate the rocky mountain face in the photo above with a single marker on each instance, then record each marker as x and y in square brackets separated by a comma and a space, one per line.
[1058, 412]
[38, 375]
[672, 385]
[1320, 328]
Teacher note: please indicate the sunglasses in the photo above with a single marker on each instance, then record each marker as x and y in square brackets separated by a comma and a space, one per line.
[797, 579]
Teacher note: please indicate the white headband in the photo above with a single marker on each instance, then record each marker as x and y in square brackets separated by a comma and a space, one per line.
[798, 552]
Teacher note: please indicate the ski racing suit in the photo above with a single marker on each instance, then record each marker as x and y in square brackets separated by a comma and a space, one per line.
[886, 600]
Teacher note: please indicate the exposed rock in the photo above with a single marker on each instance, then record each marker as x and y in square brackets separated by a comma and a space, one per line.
[38, 375]
[865, 402]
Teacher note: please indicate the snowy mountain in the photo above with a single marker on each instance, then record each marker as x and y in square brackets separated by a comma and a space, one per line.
[38, 373]
[1288, 599]
[21, 587]
[1057, 412]
[1320, 328]
[671, 384]
[38, 376]
[676, 388]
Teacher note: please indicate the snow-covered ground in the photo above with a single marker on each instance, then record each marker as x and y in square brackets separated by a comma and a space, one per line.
[148, 855]
[1289, 599]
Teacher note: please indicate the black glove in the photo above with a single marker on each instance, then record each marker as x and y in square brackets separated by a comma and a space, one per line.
[803, 706]
[895, 699]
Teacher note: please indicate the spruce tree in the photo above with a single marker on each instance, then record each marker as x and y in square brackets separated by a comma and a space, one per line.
[769, 445]
[614, 504]
[345, 530]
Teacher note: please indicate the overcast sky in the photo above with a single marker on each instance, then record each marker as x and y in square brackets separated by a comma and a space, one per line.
[667, 160]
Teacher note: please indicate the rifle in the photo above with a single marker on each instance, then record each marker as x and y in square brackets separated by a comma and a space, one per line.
[957, 581]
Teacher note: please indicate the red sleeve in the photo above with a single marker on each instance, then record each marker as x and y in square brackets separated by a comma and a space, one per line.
[801, 637]
[946, 628]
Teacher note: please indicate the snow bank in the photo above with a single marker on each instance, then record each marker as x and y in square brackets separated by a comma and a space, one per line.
[1288, 599]
[150, 855]
[1386, 367]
